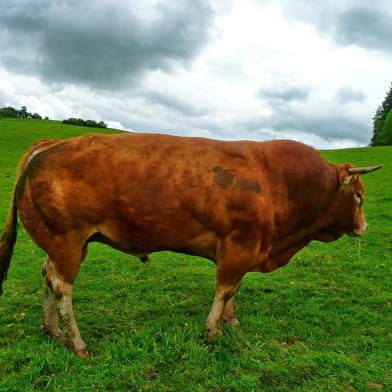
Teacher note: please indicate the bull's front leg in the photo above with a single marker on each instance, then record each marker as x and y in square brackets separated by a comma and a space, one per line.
[222, 309]
[234, 260]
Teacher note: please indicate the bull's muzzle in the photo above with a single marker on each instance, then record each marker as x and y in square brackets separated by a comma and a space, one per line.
[359, 232]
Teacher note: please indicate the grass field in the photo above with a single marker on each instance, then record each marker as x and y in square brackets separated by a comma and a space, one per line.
[322, 323]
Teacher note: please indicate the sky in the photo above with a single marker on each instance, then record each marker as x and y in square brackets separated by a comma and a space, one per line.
[227, 69]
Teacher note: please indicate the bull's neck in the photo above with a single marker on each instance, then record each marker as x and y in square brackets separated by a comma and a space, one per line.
[303, 220]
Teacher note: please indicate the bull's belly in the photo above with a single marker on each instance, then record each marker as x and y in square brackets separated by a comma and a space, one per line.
[140, 240]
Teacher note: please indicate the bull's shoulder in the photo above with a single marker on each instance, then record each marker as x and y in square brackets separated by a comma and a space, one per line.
[290, 156]
[290, 147]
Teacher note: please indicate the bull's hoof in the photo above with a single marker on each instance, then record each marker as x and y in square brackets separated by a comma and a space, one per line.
[212, 333]
[232, 321]
[145, 259]
[82, 353]
[53, 332]
[77, 346]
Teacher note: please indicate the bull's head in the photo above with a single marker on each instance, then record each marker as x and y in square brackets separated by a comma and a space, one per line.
[352, 218]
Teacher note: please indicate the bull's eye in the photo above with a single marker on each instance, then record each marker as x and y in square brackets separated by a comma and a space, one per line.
[359, 196]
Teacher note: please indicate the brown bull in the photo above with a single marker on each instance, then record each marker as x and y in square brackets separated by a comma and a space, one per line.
[248, 206]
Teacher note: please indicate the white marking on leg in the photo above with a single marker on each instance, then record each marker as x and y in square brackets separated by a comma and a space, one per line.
[50, 315]
[61, 293]
[214, 319]
[229, 313]
[71, 334]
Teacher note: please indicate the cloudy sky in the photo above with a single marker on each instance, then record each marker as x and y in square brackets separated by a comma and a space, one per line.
[313, 71]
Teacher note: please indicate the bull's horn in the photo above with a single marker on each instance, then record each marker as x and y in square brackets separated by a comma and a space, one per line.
[363, 170]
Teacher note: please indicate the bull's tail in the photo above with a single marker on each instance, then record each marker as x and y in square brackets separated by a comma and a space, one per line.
[7, 241]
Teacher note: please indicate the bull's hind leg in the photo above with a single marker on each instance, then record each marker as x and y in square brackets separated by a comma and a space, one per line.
[70, 331]
[50, 317]
[59, 278]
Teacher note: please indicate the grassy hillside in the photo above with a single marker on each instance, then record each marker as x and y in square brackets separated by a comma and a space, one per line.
[17, 134]
[322, 323]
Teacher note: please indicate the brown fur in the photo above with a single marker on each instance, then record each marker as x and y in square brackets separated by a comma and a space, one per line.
[247, 206]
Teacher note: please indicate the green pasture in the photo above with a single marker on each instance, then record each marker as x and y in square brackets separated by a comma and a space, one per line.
[322, 323]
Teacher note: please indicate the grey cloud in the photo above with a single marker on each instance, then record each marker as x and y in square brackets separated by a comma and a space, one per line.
[100, 44]
[176, 103]
[350, 22]
[330, 127]
[366, 27]
[327, 127]
[285, 94]
[346, 94]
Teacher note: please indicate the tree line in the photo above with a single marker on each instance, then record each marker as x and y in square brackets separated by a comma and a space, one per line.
[85, 123]
[11, 112]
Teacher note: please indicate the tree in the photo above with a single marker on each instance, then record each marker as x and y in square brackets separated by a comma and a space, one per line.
[9, 111]
[23, 112]
[384, 137]
[382, 122]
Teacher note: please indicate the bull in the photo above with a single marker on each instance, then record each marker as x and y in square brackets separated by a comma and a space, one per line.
[247, 206]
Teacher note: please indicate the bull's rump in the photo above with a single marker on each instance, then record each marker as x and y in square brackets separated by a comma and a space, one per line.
[144, 192]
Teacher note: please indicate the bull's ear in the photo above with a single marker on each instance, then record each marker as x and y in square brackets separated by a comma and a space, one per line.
[347, 180]
[364, 170]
